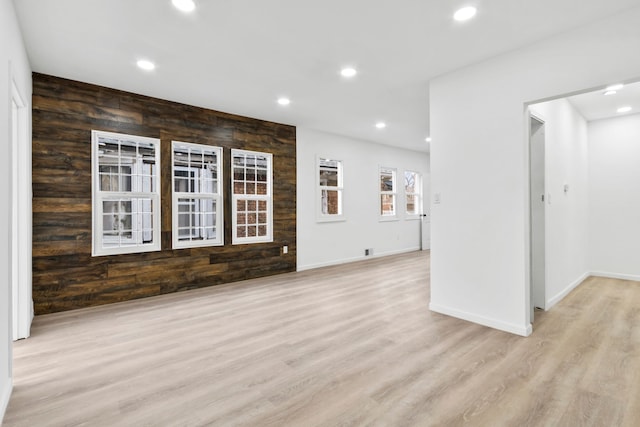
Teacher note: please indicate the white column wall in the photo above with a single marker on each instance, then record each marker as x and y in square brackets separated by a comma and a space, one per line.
[14, 66]
[479, 163]
[614, 197]
[328, 243]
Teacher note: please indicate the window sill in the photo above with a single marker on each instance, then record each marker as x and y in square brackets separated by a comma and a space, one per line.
[388, 218]
[337, 218]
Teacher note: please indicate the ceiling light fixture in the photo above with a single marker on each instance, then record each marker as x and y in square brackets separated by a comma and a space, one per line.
[381, 125]
[146, 65]
[348, 72]
[614, 88]
[465, 13]
[428, 139]
[184, 5]
[610, 92]
[284, 101]
[624, 109]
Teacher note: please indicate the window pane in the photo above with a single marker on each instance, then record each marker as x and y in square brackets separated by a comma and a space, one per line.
[386, 181]
[330, 202]
[117, 221]
[412, 207]
[252, 218]
[410, 182]
[242, 218]
[109, 178]
[387, 204]
[329, 172]
[195, 168]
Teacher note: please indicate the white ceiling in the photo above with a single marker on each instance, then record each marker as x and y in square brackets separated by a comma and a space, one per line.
[595, 105]
[239, 56]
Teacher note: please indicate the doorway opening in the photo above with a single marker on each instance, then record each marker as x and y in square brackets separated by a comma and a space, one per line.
[537, 203]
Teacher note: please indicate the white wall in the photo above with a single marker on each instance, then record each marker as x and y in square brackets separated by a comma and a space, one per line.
[566, 213]
[614, 197]
[14, 66]
[479, 163]
[326, 243]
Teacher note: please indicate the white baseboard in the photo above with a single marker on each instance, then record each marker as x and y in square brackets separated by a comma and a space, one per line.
[354, 259]
[608, 275]
[557, 298]
[523, 330]
[6, 395]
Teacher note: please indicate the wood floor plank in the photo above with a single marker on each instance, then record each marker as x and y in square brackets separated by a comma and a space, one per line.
[350, 345]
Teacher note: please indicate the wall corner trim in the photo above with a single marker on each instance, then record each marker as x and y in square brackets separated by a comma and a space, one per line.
[355, 259]
[522, 330]
[621, 276]
[557, 298]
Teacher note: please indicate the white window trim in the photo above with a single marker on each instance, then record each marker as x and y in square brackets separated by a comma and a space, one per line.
[235, 240]
[218, 197]
[418, 195]
[99, 196]
[321, 217]
[394, 193]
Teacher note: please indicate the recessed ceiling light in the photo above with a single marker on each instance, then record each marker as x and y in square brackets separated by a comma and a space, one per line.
[184, 5]
[348, 72]
[284, 101]
[610, 92]
[381, 125]
[624, 109]
[465, 13]
[428, 139]
[146, 65]
[614, 87]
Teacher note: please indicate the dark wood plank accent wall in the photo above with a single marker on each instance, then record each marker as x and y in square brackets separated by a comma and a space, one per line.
[65, 275]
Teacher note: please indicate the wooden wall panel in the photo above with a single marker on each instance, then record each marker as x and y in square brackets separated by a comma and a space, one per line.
[65, 275]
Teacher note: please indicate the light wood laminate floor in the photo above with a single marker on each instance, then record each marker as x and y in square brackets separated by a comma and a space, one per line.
[348, 345]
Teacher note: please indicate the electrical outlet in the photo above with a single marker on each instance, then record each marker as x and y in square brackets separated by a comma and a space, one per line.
[285, 249]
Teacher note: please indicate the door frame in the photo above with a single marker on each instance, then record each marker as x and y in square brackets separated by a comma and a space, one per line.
[21, 194]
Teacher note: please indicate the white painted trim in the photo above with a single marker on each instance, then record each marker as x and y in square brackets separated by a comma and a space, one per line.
[523, 330]
[217, 197]
[320, 217]
[620, 276]
[394, 193]
[97, 197]
[355, 259]
[557, 298]
[22, 229]
[4, 398]
[235, 240]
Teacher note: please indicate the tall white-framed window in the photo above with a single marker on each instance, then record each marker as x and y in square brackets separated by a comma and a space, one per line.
[251, 199]
[413, 194]
[330, 189]
[388, 193]
[197, 199]
[126, 193]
